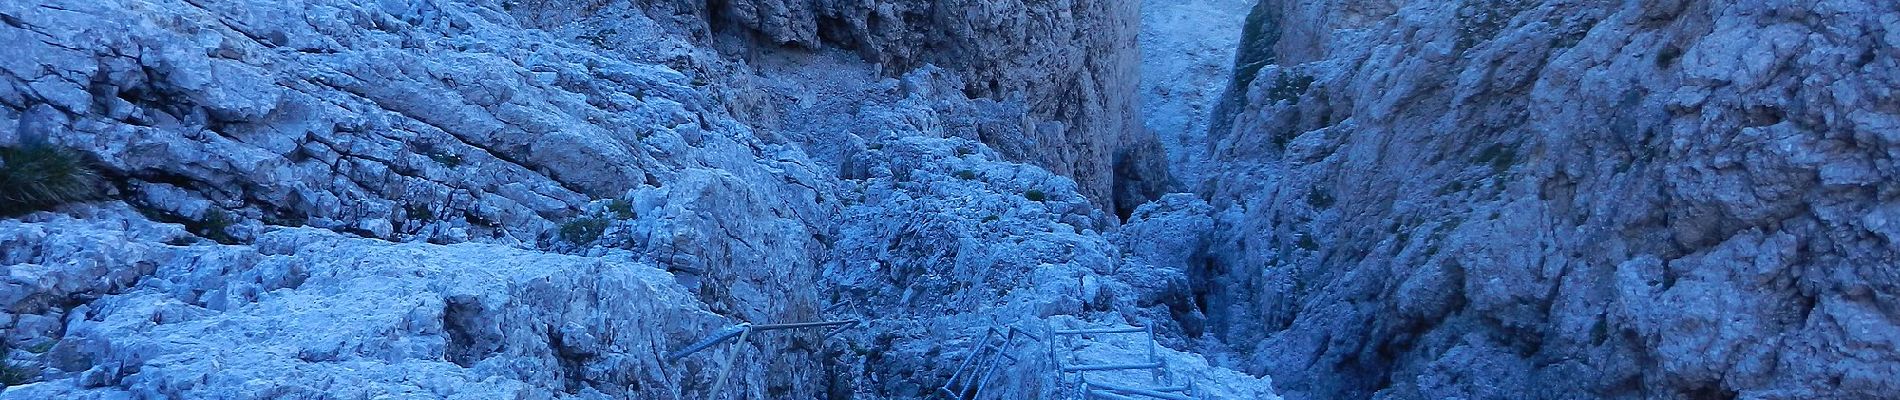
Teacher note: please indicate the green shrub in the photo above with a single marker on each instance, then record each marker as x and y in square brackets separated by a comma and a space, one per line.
[1035, 195]
[1498, 156]
[40, 177]
[1319, 198]
[214, 224]
[622, 209]
[1289, 87]
[1668, 56]
[419, 212]
[1453, 187]
[583, 230]
[12, 374]
[447, 160]
[1307, 242]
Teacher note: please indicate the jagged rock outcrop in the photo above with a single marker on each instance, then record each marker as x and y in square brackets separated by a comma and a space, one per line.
[442, 122]
[587, 204]
[1564, 199]
[1069, 66]
[307, 313]
[1187, 54]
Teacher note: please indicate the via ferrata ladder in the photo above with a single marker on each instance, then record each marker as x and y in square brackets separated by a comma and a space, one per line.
[1098, 389]
[967, 383]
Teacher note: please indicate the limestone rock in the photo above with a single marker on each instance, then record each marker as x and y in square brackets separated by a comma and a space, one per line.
[1560, 199]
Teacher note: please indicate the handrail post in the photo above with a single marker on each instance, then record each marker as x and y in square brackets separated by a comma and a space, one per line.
[731, 359]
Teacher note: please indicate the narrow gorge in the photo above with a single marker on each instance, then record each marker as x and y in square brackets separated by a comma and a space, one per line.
[952, 199]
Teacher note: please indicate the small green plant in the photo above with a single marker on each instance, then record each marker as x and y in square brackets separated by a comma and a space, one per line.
[1453, 187]
[1498, 156]
[214, 224]
[419, 212]
[583, 230]
[1668, 56]
[43, 347]
[964, 151]
[1284, 137]
[1319, 198]
[37, 177]
[446, 159]
[599, 39]
[1307, 242]
[1289, 87]
[12, 374]
[967, 175]
[992, 218]
[1035, 195]
[1600, 331]
[622, 209]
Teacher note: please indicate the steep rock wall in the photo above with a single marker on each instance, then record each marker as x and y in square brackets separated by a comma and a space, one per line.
[1072, 65]
[252, 122]
[1563, 199]
[441, 122]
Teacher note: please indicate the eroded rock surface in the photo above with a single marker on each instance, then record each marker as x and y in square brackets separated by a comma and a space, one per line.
[1562, 199]
[307, 313]
[1068, 67]
[344, 199]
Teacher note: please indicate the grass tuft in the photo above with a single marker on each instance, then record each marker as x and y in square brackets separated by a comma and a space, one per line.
[40, 177]
[583, 230]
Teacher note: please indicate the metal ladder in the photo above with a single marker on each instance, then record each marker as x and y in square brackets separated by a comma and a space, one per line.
[987, 358]
[1165, 390]
[743, 331]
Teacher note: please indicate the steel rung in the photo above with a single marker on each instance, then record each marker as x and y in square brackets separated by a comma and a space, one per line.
[1095, 394]
[1102, 330]
[1110, 367]
[1154, 393]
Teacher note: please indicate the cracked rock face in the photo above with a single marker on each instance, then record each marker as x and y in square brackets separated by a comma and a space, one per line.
[306, 313]
[333, 198]
[1071, 65]
[1561, 199]
[412, 122]
[441, 123]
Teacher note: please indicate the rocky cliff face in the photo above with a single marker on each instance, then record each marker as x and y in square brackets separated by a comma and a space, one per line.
[1188, 50]
[1563, 199]
[1069, 67]
[344, 199]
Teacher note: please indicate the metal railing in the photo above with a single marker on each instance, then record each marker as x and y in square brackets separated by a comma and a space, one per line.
[987, 357]
[1104, 390]
[743, 331]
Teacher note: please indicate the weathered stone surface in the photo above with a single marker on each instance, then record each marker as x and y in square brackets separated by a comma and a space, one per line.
[1187, 56]
[306, 313]
[1562, 199]
[1070, 65]
[278, 166]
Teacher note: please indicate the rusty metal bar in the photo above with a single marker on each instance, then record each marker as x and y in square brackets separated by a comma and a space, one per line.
[1107, 395]
[732, 359]
[1100, 330]
[838, 330]
[709, 341]
[774, 327]
[1142, 392]
[1111, 367]
[1025, 332]
[965, 365]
